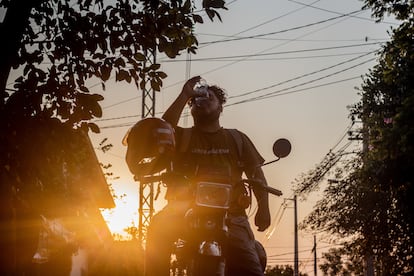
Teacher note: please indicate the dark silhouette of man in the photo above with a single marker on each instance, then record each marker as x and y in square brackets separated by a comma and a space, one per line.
[210, 154]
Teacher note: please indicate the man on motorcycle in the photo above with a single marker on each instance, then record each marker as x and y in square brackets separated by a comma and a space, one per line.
[209, 153]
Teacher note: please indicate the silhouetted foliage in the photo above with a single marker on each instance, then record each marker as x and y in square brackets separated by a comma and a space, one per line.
[342, 261]
[401, 9]
[281, 270]
[54, 49]
[58, 45]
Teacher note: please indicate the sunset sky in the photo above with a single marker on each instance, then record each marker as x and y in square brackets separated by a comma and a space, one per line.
[291, 69]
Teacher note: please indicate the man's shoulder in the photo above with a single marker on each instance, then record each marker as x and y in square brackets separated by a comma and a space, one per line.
[245, 146]
[235, 131]
[237, 134]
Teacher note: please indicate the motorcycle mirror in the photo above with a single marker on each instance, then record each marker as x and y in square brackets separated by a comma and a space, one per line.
[282, 147]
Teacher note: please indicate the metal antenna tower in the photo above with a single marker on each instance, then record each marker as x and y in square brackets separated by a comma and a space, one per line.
[146, 191]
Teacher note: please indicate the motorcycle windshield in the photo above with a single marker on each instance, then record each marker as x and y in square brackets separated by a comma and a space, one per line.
[213, 195]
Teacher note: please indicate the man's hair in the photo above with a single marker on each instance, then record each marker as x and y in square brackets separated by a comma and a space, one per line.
[219, 92]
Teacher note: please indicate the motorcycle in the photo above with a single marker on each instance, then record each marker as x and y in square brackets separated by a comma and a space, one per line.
[201, 251]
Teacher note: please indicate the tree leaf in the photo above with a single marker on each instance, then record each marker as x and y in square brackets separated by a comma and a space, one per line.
[105, 72]
[140, 57]
[198, 19]
[94, 128]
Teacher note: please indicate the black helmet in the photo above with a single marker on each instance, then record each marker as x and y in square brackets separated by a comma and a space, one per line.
[150, 145]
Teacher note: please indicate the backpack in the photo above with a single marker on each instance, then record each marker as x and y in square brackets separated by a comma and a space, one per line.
[234, 133]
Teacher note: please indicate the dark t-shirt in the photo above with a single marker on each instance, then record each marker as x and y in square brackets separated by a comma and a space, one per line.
[214, 156]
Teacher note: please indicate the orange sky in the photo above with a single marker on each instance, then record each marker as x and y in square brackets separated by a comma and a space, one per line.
[305, 59]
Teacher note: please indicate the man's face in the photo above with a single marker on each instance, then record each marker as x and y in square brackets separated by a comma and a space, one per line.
[206, 109]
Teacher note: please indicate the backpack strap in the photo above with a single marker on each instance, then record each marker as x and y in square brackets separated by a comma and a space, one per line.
[237, 138]
[185, 139]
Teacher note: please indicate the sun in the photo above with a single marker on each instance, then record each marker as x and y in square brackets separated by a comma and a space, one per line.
[125, 214]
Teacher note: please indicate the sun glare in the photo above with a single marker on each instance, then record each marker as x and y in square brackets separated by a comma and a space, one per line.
[125, 214]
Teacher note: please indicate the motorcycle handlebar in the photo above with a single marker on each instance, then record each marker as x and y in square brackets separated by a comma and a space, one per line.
[166, 177]
[259, 183]
[273, 191]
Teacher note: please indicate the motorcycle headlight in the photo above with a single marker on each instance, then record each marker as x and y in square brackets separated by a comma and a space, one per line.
[213, 195]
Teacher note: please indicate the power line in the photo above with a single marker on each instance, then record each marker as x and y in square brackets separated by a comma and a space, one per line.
[302, 40]
[345, 134]
[117, 118]
[282, 52]
[302, 76]
[301, 36]
[280, 92]
[266, 22]
[286, 58]
[300, 90]
[275, 18]
[277, 91]
[253, 99]
[285, 91]
[273, 258]
[232, 63]
[282, 31]
[289, 253]
[304, 50]
[271, 230]
[330, 11]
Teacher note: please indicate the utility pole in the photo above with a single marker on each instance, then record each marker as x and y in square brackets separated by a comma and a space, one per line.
[369, 265]
[315, 267]
[364, 136]
[296, 261]
[296, 245]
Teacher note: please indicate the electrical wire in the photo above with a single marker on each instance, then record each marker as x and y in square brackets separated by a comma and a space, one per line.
[279, 45]
[301, 40]
[263, 23]
[334, 12]
[246, 93]
[303, 75]
[285, 91]
[270, 231]
[282, 31]
[285, 58]
[279, 53]
[232, 63]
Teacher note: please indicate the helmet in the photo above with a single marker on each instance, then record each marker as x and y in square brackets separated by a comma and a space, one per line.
[150, 145]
